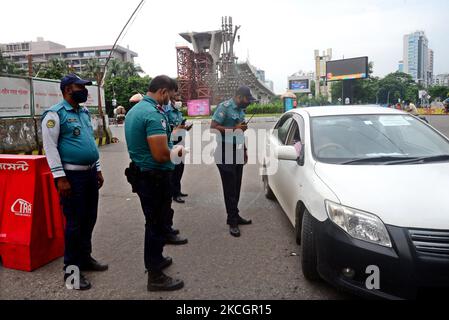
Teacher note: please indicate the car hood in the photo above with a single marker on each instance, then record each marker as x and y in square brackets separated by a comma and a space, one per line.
[412, 196]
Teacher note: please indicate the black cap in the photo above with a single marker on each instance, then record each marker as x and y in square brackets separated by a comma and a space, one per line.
[245, 91]
[73, 78]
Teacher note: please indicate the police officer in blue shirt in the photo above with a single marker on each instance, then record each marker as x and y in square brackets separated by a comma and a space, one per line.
[231, 153]
[73, 157]
[148, 137]
[179, 128]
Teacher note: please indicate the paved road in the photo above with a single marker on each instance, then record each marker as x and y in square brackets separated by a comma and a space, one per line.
[260, 265]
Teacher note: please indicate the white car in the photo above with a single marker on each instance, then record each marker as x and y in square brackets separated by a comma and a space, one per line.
[367, 189]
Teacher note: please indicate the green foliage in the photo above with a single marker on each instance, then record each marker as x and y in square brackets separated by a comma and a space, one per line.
[265, 109]
[439, 92]
[124, 89]
[9, 67]
[54, 69]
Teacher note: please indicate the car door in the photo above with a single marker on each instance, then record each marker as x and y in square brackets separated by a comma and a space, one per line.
[279, 138]
[292, 173]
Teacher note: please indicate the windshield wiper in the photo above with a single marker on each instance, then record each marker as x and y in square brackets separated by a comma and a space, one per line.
[382, 159]
[439, 158]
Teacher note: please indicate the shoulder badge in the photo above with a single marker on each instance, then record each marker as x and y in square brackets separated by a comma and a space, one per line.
[51, 124]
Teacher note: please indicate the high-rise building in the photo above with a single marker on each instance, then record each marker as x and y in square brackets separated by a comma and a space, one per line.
[430, 67]
[418, 59]
[401, 66]
[42, 51]
[322, 87]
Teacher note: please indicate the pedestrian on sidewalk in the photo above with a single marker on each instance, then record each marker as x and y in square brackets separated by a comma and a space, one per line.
[73, 157]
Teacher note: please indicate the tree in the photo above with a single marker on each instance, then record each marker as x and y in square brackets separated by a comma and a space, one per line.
[123, 88]
[54, 69]
[439, 92]
[92, 69]
[9, 67]
[397, 86]
[122, 69]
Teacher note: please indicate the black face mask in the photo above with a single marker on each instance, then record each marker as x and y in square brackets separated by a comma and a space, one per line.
[80, 96]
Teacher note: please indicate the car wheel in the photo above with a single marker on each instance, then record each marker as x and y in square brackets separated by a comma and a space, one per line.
[308, 249]
[268, 192]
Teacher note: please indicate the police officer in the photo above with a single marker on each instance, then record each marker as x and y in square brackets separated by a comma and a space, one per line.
[177, 123]
[73, 157]
[150, 148]
[231, 153]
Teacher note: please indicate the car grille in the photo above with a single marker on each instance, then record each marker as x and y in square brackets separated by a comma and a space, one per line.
[431, 243]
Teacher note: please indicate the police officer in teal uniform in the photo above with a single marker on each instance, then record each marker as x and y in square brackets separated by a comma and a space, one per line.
[231, 153]
[148, 137]
[177, 123]
[73, 157]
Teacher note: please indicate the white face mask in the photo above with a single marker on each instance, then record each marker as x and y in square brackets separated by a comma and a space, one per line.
[178, 105]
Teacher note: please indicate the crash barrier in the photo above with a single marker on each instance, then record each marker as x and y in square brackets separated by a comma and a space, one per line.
[31, 220]
[22, 102]
[431, 111]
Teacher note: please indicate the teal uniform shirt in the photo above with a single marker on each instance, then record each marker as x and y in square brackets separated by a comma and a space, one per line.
[144, 120]
[175, 117]
[76, 143]
[229, 115]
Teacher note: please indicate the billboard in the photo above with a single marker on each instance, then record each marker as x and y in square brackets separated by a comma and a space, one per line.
[299, 85]
[46, 95]
[18, 96]
[15, 97]
[199, 107]
[347, 69]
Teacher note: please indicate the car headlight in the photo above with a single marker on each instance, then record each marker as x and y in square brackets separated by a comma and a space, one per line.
[360, 225]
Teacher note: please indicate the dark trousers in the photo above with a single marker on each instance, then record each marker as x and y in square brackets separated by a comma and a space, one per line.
[229, 161]
[231, 179]
[176, 179]
[154, 191]
[80, 210]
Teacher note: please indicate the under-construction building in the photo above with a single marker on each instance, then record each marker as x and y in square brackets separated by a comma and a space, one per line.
[211, 71]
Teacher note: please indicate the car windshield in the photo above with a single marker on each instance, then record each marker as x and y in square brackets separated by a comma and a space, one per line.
[379, 139]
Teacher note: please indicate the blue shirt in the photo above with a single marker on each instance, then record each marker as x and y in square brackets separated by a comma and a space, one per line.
[228, 114]
[76, 143]
[144, 120]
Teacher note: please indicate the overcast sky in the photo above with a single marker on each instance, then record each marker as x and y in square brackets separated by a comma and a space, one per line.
[279, 36]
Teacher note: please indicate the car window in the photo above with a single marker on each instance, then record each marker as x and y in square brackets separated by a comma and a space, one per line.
[296, 132]
[283, 130]
[294, 135]
[336, 139]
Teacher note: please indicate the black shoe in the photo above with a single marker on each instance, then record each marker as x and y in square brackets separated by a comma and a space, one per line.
[178, 200]
[158, 281]
[94, 265]
[83, 285]
[235, 231]
[175, 240]
[244, 222]
[183, 195]
[165, 264]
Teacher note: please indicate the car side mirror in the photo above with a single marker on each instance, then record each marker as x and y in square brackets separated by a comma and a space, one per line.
[287, 153]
